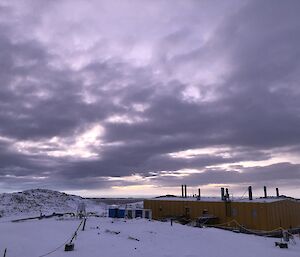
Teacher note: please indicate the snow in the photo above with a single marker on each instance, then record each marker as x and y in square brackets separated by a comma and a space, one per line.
[115, 237]
[34, 238]
[32, 202]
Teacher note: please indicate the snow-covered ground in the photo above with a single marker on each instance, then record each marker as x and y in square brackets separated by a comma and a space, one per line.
[115, 238]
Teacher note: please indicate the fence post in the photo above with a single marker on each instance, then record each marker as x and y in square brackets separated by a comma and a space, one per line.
[83, 227]
[70, 246]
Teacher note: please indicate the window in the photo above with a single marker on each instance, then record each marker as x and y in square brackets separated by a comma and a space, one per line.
[234, 212]
[187, 211]
[228, 209]
[147, 215]
[129, 214]
[254, 213]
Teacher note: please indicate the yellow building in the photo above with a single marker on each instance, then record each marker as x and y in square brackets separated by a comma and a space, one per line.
[263, 214]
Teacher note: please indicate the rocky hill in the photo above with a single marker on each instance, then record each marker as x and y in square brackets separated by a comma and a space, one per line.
[40, 200]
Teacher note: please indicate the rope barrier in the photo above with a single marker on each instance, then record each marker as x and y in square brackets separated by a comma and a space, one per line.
[243, 195]
[5, 252]
[255, 232]
[246, 229]
[263, 233]
[56, 249]
[221, 224]
[70, 239]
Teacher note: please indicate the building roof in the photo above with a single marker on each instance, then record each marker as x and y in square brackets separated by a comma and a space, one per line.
[217, 199]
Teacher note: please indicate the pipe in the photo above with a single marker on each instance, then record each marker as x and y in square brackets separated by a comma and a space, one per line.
[277, 192]
[250, 192]
[222, 194]
[227, 194]
[265, 192]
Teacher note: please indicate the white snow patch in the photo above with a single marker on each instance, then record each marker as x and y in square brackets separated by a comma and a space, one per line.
[141, 238]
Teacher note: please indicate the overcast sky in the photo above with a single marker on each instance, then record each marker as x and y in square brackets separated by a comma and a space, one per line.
[138, 97]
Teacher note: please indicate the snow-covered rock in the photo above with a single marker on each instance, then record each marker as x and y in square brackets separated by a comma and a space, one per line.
[40, 200]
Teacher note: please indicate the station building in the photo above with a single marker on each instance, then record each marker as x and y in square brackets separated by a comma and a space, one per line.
[261, 214]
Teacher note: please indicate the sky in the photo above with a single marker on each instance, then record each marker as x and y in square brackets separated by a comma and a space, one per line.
[137, 97]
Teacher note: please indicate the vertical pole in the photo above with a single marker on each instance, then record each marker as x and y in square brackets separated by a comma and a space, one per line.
[185, 191]
[182, 191]
[277, 192]
[5, 252]
[250, 192]
[265, 191]
[199, 194]
[83, 227]
[227, 194]
[222, 194]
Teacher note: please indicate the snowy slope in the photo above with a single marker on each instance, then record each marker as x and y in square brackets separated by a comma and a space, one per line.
[40, 200]
[140, 238]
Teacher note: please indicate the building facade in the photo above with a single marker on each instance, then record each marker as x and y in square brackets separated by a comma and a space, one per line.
[257, 214]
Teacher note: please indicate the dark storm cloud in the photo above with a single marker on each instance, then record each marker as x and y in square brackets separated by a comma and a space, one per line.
[62, 76]
[263, 90]
[275, 175]
[38, 101]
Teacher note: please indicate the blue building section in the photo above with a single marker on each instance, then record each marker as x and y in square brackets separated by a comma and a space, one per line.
[139, 213]
[121, 213]
[112, 213]
[116, 213]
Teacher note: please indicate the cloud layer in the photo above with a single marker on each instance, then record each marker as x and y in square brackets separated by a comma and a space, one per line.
[104, 97]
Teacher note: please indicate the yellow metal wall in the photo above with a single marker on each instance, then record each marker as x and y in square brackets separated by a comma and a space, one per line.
[284, 214]
[252, 215]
